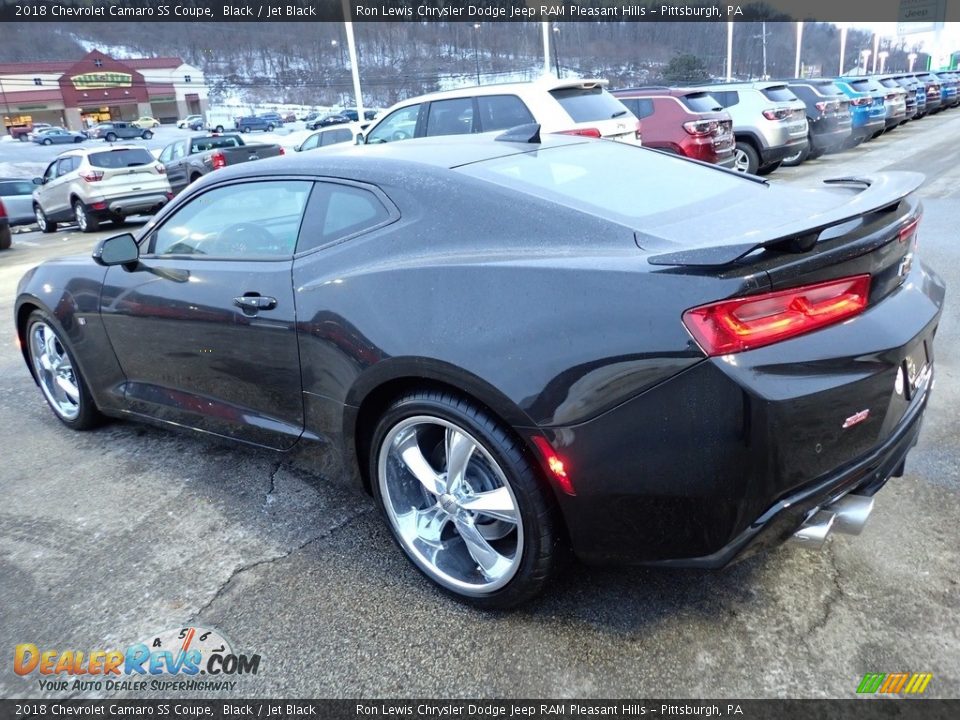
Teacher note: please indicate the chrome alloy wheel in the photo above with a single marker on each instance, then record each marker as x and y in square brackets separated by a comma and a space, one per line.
[450, 504]
[81, 215]
[55, 371]
[741, 163]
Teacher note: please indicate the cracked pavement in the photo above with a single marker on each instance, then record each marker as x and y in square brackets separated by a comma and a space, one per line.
[111, 536]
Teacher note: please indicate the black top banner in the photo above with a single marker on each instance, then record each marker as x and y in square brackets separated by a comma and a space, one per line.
[929, 13]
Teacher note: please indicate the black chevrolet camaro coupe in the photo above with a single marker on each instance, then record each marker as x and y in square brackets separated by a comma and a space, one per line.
[520, 346]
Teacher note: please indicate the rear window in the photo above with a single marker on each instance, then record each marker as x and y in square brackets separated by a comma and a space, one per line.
[828, 88]
[611, 180]
[778, 93]
[16, 187]
[701, 102]
[214, 144]
[589, 104]
[863, 86]
[120, 158]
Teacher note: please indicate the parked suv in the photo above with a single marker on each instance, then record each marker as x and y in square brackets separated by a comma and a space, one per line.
[949, 88]
[574, 107]
[272, 117]
[892, 99]
[933, 88]
[254, 122]
[868, 112]
[88, 186]
[916, 90]
[909, 95]
[769, 123]
[682, 122]
[116, 130]
[828, 117]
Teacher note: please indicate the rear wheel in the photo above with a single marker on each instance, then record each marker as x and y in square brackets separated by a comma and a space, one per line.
[246, 130]
[111, 137]
[78, 139]
[147, 135]
[463, 500]
[47, 141]
[270, 127]
[46, 226]
[85, 221]
[59, 377]
[745, 158]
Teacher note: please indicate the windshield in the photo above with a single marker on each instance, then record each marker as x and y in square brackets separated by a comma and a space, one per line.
[131, 157]
[589, 104]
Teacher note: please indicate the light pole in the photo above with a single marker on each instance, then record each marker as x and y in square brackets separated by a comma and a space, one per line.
[883, 58]
[876, 48]
[864, 57]
[729, 50]
[911, 58]
[843, 45]
[476, 48]
[796, 65]
[556, 49]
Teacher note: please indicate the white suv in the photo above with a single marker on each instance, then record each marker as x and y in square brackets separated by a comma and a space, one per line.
[574, 107]
[88, 186]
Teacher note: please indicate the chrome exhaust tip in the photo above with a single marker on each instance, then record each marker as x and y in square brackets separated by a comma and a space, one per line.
[813, 533]
[852, 512]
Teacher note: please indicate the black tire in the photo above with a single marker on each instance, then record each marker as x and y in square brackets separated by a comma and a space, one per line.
[750, 155]
[246, 130]
[111, 137]
[195, 177]
[270, 127]
[147, 135]
[88, 416]
[219, 128]
[78, 139]
[6, 241]
[45, 225]
[47, 141]
[85, 221]
[542, 549]
[767, 169]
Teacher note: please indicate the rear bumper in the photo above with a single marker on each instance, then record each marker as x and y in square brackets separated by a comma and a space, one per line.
[735, 451]
[777, 153]
[146, 204]
[829, 135]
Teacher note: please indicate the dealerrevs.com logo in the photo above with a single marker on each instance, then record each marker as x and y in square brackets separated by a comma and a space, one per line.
[190, 658]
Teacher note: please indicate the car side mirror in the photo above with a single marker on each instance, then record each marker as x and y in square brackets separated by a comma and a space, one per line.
[116, 250]
[297, 148]
[38, 181]
[359, 140]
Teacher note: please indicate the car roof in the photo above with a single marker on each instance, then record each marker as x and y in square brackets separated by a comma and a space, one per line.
[358, 161]
[544, 84]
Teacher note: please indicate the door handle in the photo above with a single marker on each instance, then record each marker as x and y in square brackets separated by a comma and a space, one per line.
[254, 302]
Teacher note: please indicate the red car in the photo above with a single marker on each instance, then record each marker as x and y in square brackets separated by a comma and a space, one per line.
[682, 121]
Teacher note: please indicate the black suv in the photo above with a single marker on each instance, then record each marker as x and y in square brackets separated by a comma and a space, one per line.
[113, 131]
[828, 117]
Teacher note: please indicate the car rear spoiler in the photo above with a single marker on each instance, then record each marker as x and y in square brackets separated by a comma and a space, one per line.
[879, 192]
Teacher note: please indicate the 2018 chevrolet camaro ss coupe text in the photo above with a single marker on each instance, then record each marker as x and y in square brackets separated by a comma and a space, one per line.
[520, 346]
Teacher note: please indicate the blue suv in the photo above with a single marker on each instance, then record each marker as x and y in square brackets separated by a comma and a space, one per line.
[254, 122]
[868, 111]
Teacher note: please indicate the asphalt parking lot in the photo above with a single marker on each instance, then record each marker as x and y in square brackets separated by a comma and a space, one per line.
[111, 536]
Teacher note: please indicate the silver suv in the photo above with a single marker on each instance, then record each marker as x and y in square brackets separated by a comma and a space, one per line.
[769, 123]
[89, 186]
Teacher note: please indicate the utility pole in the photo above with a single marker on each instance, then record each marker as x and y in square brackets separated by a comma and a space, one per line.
[476, 49]
[764, 31]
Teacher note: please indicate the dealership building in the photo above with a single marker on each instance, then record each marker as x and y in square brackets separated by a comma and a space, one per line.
[97, 87]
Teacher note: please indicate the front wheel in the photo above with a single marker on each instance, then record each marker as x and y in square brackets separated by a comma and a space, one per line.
[47, 141]
[57, 373]
[46, 226]
[147, 135]
[111, 137]
[463, 500]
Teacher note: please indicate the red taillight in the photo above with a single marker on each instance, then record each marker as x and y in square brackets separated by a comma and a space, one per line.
[821, 106]
[3, 210]
[779, 114]
[731, 326]
[169, 196]
[282, 152]
[160, 169]
[99, 206]
[908, 233]
[92, 175]
[701, 127]
[557, 469]
[862, 101]
[585, 132]
[218, 160]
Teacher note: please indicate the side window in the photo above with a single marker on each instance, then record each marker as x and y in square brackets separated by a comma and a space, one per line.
[311, 142]
[398, 125]
[64, 165]
[167, 154]
[450, 117]
[51, 172]
[501, 112]
[338, 211]
[249, 220]
[333, 137]
[643, 107]
[179, 150]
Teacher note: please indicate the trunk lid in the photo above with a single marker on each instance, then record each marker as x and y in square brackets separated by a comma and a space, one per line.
[125, 171]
